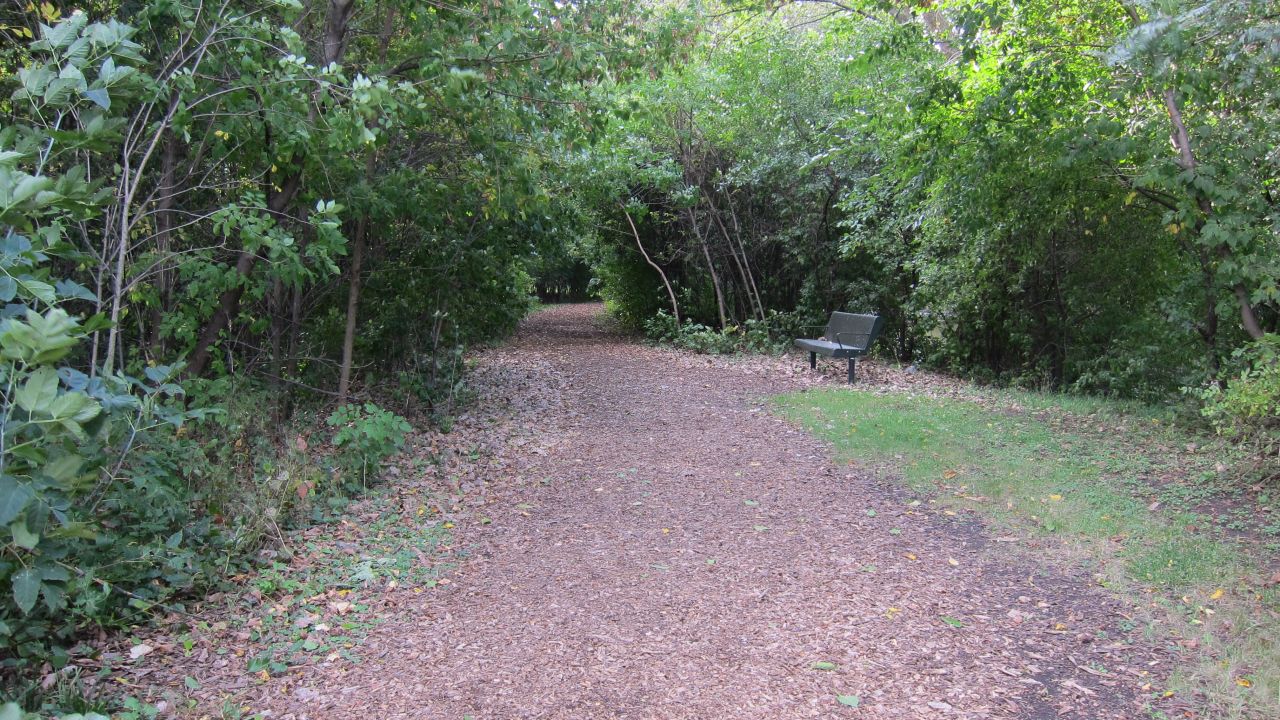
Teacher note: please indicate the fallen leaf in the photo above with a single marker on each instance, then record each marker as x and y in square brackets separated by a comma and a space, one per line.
[911, 556]
[953, 562]
[139, 650]
[852, 701]
[949, 475]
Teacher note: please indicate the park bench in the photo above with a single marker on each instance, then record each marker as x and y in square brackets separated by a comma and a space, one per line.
[847, 335]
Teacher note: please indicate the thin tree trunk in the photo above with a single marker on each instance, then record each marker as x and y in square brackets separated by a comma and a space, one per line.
[353, 308]
[748, 283]
[711, 267]
[746, 261]
[1187, 160]
[164, 230]
[229, 302]
[675, 307]
[333, 45]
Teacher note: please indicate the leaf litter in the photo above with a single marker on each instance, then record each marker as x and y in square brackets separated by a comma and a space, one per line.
[543, 601]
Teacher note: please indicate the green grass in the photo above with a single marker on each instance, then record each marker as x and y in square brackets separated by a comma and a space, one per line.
[1085, 473]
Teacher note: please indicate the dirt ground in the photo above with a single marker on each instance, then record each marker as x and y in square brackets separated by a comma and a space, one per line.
[656, 544]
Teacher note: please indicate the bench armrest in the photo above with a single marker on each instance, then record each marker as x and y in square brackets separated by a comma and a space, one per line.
[865, 337]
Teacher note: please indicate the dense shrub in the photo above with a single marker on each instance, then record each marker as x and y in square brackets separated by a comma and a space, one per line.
[752, 336]
[1248, 408]
[365, 436]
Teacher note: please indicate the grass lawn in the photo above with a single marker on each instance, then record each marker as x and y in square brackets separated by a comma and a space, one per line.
[1137, 500]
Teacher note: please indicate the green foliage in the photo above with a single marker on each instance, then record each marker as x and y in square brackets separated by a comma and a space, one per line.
[752, 336]
[365, 436]
[1248, 409]
[93, 536]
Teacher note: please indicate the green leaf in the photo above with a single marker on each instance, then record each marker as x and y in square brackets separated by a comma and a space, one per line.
[29, 186]
[823, 665]
[23, 537]
[74, 406]
[63, 470]
[99, 97]
[39, 391]
[26, 589]
[14, 497]
[852, 701]
[42, 291]
[951, 621]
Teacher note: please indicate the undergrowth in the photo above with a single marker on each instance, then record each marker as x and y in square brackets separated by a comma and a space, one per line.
[752, 336]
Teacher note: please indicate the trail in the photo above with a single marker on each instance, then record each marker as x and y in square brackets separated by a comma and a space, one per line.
[679, 552]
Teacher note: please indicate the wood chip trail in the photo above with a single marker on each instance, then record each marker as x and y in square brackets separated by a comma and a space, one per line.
[672, 550]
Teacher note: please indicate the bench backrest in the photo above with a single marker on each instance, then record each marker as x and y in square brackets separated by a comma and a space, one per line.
[855, 331]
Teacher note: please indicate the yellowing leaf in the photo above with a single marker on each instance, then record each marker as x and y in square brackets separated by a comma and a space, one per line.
[264, 675]
[1244, 682]
[911, 556]
[1055, 498]
[1217, 594]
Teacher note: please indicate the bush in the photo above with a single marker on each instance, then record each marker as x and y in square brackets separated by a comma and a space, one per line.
[1248, 410]
[753, 336]
[366, 436]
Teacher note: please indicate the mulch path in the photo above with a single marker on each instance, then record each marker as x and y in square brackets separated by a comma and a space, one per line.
[656, 544]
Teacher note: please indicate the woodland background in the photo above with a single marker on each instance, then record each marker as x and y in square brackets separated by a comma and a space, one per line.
[227, 227]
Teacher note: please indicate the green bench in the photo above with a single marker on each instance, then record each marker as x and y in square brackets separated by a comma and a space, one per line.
[847, 335]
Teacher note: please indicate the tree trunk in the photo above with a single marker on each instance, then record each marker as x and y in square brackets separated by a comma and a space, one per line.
[229, 302]
[1187, 160]
[353, 308]
[333, 44]
[164, 231]
[756, 308]
[715, 277]
[675, 307]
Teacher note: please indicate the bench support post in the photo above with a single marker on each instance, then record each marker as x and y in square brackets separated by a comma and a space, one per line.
[851, 362]
[813, 360]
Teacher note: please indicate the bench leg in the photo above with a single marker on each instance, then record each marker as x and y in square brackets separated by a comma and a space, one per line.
[851, 362]
[813, 360]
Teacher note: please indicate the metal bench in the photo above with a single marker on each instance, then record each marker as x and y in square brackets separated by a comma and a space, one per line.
[847, 335]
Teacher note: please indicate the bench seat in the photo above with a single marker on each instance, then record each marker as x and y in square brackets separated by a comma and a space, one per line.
[827, 348]
[847, 336]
